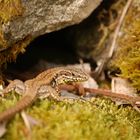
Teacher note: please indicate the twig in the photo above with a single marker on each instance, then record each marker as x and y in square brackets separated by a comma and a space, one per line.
[130, 99]
[111, 94]
[26, 121]
[104, 61]
[113, 45]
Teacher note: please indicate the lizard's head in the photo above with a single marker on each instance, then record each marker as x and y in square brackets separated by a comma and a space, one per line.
[71, 74]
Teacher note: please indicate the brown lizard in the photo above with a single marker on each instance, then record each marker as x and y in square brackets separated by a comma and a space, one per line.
[44, 85]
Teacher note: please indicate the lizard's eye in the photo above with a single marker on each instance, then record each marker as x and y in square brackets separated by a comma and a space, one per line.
[73, 74]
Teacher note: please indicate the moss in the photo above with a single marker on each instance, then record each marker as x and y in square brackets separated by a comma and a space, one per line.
[76, 121]
[128, 54]
[11, 53]
[10, 9]
[2, 40]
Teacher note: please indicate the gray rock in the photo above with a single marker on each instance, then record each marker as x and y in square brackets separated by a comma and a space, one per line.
[45, 16]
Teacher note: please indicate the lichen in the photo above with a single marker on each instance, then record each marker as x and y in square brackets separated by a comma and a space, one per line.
[128, 55]
[76, 121]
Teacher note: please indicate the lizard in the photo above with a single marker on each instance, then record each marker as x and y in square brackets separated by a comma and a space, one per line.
[44, 85]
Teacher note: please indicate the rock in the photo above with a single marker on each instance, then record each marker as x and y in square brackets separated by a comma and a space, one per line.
[43, 16]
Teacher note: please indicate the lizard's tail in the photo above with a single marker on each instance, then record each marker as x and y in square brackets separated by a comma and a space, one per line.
[22, 104]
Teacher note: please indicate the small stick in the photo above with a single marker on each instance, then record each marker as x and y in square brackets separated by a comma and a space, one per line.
[107, 93]
[104, 61]
[112, 48]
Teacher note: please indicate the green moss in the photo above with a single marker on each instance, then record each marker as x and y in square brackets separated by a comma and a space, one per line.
[76, 121]
[10, 9]
[11, 53]
[128, 54]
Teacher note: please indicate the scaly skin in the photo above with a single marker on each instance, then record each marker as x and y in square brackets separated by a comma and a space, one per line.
[44, 85]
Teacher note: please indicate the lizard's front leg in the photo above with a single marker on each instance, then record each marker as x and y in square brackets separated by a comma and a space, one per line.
[17, 85]
[47, 91]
